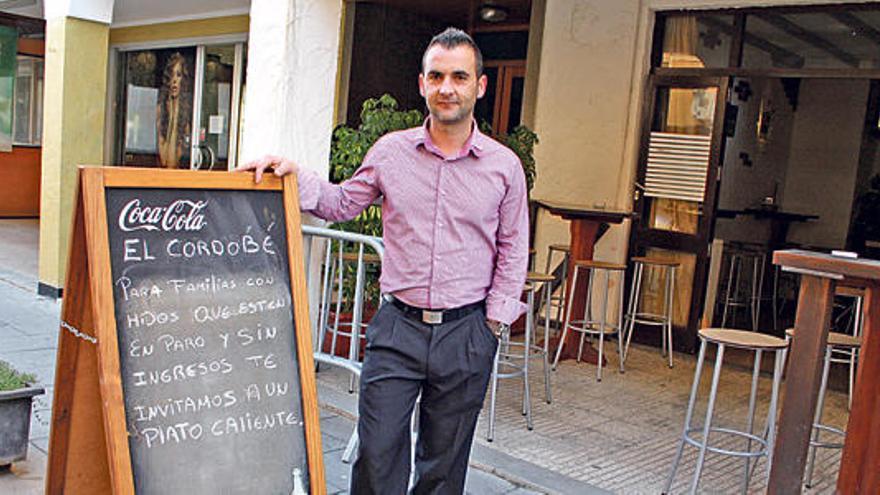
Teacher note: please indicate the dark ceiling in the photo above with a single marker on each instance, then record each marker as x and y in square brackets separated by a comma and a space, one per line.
[462, 12]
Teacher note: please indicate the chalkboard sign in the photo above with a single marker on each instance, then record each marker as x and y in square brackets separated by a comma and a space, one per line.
[202, 335]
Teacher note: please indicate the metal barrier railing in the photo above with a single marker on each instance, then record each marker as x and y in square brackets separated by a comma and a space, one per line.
[341, 250]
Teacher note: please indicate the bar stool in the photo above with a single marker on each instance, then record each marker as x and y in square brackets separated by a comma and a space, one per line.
[509, 363]
[558, 301]
[664, 319]
[542, 350]
[850, 355]
[751, 341]
[588, 325]
[739, 260]
[836, 341]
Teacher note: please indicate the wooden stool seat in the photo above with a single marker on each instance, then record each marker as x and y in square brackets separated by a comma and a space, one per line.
[539, 277]
[845, 290]
[655, 261]
[601, 265]
[368, 257]
[836, 339]
[561, 247]
[742, 338]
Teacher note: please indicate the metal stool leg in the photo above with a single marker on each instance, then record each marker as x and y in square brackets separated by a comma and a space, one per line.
[701, 457]
[750, 420]
[763, 263]
[698, 371]
[854, 353]
[527, 349]
[731, 285]
[669, 303]
[771, 413]
[350, 447]
[633, 307]
[546, 351]
[566, 321]
[817, 419]
[587, 308]
[620, 320]
[754, 303]
[493, 395]
[602, 324]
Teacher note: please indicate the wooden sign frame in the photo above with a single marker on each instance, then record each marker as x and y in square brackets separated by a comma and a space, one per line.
[89, 450]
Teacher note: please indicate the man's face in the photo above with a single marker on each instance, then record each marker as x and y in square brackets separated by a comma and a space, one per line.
[450, 84]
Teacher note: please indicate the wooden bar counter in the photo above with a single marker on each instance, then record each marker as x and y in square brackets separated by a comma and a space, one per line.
[860, 462]
[587, 227]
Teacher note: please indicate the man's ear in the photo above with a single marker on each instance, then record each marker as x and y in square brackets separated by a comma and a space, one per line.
[482, 82]
[422, 85]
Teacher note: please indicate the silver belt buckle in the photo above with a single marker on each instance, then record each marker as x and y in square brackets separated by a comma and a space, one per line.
[432, 317]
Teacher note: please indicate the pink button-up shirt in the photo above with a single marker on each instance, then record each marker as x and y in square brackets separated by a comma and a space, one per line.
[455, 227]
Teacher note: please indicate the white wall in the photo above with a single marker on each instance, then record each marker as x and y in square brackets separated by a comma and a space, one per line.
[745, 186]
[823, 162]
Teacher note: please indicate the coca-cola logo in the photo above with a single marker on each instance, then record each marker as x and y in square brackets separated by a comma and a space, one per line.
[180, 215]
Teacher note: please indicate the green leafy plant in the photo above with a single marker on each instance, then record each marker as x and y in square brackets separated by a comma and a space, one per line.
[521, 141]
[10, 379]
[348, 147]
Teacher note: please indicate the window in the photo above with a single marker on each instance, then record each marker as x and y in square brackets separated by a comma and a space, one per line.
[697, 40]
[27, 120]
[179, 107]
[833, 39]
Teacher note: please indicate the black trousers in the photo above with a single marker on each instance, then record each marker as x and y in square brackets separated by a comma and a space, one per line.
[450, 364]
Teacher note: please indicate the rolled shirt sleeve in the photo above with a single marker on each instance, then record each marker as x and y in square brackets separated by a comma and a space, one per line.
[503, 302]
[339, 202]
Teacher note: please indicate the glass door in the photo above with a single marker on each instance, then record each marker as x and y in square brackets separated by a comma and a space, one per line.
[676, 188]
[219, 83]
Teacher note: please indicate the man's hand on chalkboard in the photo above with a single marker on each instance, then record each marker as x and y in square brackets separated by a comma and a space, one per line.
[281, 166]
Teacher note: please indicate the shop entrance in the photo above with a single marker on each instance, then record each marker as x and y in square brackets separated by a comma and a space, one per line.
[675, 189]
[179, 107]
[786, 158]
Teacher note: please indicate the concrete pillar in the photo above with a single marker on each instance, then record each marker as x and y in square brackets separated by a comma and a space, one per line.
[293, 60]
[293, 56]
[73, 120]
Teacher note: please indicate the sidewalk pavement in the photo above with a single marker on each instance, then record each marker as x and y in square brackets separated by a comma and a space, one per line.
[28, 341]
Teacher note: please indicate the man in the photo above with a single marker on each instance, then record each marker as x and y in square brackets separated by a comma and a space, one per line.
[456, 245]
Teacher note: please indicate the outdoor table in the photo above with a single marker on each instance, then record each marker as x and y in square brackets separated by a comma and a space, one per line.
[860, 461]
[780, 221]
[588, 224]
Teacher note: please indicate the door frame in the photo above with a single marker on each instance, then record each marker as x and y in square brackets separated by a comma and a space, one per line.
[115, 109]
[641, 237]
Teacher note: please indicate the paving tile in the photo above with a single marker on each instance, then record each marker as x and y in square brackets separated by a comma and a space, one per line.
[481, 483]
[619, 434]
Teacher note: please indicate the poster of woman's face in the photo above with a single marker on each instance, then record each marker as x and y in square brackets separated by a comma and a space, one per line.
[158, 96]
[174, 112]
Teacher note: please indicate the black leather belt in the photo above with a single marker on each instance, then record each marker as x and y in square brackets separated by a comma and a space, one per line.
[435, 316]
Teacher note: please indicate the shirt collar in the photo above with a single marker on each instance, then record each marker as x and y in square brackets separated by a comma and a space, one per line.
[474, 144]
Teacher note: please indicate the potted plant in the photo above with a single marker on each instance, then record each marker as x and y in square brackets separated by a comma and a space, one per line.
[16, 393]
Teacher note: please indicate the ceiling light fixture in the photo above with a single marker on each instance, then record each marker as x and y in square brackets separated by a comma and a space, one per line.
[493, 13]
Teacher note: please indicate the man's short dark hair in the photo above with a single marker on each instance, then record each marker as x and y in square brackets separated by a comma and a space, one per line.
[452, 37]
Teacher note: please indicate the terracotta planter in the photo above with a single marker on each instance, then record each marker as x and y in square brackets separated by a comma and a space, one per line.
[343, 341]
[15, 423]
